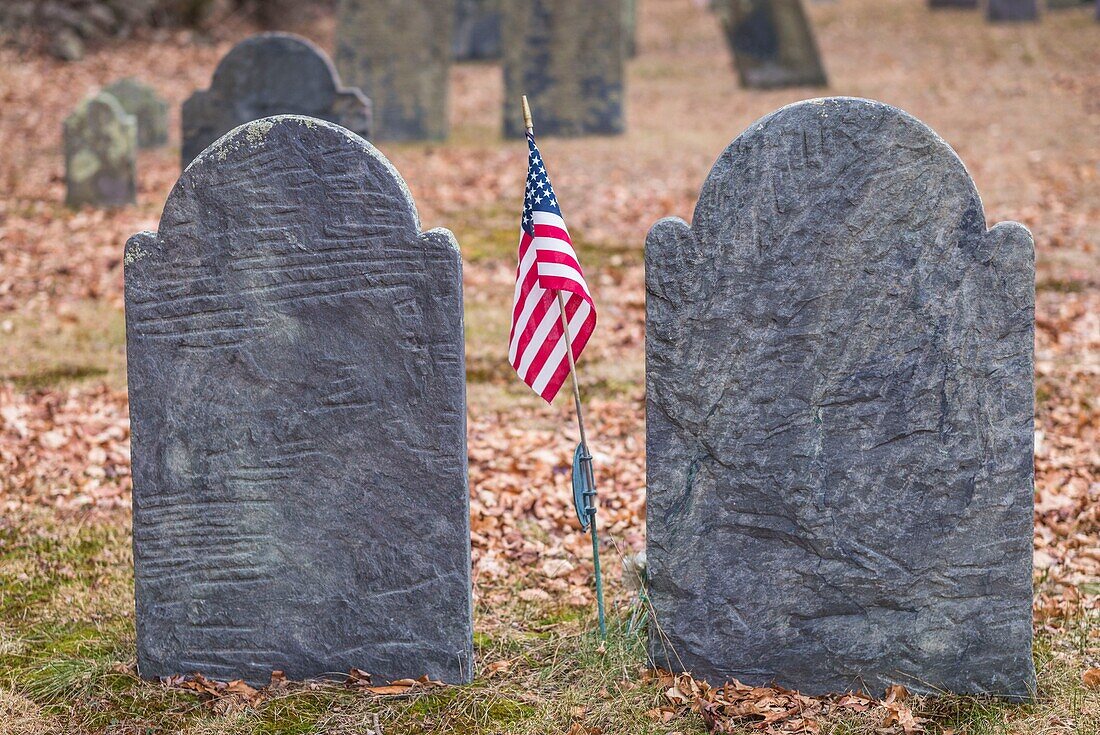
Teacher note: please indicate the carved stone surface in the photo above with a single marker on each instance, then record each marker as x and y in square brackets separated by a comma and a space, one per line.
[150, 111]
[271, 74]
[476, 34]
[567, 57]
[1012, 10]
[100, 154]
[839, 418]
[772, 43]
[297, 402]
[399, 53]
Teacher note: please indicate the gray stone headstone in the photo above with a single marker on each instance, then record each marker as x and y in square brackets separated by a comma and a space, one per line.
[1012, 10]
[772, 43]
[297, 403]
[150, 111]
[271, 74]
[953, 3]
[567, 57]
[839, 415]
[476, 34]
[100, 154]
[399, 53]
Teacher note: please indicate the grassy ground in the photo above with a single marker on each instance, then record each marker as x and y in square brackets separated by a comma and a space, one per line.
[1019, 103]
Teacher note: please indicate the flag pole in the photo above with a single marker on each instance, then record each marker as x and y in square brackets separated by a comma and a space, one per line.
[590, 507]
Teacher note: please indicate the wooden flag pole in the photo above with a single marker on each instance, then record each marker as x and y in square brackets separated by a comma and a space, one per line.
[587, 460]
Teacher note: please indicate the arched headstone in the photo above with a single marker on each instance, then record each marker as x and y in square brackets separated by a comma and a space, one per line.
[297, 402]
[567, 57]
[839, 415]
[150, 111]
[100, 154]
[271, 74]
[399, 53]
[772, 43]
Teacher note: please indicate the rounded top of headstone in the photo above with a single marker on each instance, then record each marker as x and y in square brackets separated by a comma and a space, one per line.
[270, 64]
[835, 151]
[101, 103]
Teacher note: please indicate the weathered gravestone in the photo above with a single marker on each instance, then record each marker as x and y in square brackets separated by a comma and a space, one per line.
[297, 401]
[100, 154]
[148, 109]
[772, 43]
[271, 74]
[567, 57]
[839, 417]
[399, 53]
[1012, 10]
[476, 34]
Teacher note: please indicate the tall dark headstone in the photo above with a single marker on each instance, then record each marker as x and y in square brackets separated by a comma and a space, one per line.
[147, 107]
[297, 402]
[399, 53]
[772, 43]
[271, 74]
[100, 154]
[1012, 10]
[567, 57]
[839, 415]
[476, 33]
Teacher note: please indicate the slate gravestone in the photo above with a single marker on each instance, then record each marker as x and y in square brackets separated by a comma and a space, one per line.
[567, 57]
[271, 74]
[399, 53]
[148, 109]
[100, 154]
[772, 43]
[297, 402]
[476, 34]
[839, 415]
[1012, 10]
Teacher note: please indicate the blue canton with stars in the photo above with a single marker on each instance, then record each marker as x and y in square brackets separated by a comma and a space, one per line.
[539, 195]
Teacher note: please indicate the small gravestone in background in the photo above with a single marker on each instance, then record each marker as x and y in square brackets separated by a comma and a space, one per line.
[567, 57]
[1012, 10]
[953, 3]
[839, 415]
[271, 74]
[150, 111]
[100, 154]
[476, 33]
[399, 53]
[772, 43]
[297, 401]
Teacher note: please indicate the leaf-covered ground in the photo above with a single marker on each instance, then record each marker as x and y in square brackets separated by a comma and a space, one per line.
[1021, 104]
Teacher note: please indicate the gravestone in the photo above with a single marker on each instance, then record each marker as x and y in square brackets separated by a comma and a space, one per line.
[567, 57]
[100, 154]
[476, 34]
[150, 111]
[297, 403]
[271, 74]
[953, 3]
[839, 415]
[399, 53]
[1012, 10]
[771, 42]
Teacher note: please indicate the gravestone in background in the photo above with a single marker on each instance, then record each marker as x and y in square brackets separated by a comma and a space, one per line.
[953, 3]
[100, 154]
[271, 74]
[297, 402]
[476, 33]
[148, 109]
[399, 53]
[1012, 10]
[839, 415]
[567, 57]
[771, 42]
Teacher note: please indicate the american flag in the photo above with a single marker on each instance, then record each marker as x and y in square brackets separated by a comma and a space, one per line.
[547, 264]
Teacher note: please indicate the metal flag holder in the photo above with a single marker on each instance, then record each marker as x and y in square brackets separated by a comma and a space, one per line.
[584, 481]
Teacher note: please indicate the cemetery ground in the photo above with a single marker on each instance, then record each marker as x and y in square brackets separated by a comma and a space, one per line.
[1021, 105]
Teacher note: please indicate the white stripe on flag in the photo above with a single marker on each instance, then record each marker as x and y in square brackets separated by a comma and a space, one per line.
[558, 354]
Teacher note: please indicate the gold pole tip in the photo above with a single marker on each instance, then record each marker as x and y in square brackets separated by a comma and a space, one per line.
[527, 122]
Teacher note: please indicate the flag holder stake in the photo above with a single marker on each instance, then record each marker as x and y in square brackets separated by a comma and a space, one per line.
[586, 456]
